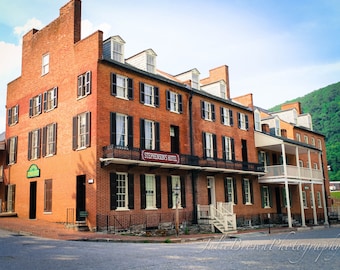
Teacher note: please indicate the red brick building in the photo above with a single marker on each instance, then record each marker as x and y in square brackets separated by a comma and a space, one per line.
[95, 136]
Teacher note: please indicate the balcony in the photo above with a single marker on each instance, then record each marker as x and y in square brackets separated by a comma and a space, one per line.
[135, 156]
[293, 172]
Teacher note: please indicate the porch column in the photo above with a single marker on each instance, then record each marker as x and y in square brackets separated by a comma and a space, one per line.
[303, 220]
[323, 191]
[314, 206]
[310, 165]
[284, 163]
[289, 215]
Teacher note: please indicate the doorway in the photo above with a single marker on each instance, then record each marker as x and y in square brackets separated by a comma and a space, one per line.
[278, 200]
[244, 154]
[80, 197]
[33, 200]
[211, 190]
[174, 136]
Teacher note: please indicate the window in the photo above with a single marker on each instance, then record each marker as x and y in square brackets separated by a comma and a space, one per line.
[266, 198]
[150, 63]
[242, 121]
[207, 111]
[45, 67]
[84, 84]
[121, 130]
[121, 86]
[318, 197]
[223, 91]
[313, 141]
[319, 144]
[174, 102]
[298, 137]
[118, 51]
[50, 99]
[209, 145]
[13, 115]
[304, 199]
[228, 148]
[149, 95]
[230, 190]
[34, 144]
[195, 81]
[35, 106]
[121, 191]
[277, 127]
[305, 139]
[149, 135]
[150, 187]
[49, 140]
[12, 151]
[175, 183]
[48, 195]
[1, 173]
[300, 163]
[81, 130]
[257, 120]
[247, 191]
[226, 117]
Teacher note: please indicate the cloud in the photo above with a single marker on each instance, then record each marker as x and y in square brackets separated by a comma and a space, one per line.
[20, 31]
[87, 28]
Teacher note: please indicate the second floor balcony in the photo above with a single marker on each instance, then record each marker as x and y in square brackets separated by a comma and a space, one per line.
[138, 157]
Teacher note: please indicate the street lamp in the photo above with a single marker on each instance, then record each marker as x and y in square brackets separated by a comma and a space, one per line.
[176, 191]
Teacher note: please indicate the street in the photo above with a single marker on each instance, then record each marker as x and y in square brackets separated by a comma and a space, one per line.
[310, 249]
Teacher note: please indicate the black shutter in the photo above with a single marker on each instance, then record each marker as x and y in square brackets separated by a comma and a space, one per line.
[130, 88]
[157, 136]
[88, 82]
[141, 93]
[270, 196]
[156, 96]
[31, 108]
[75, 133]
[183, 199]
[239, 119]
[39, 144]
[113, 191]
[130, 132]
[214, 146]
[45, 101]
[44, 141]
[251, 190]
[202, 110]
[235, 190]
[9, 118]
[54, 150]
[247, 123]
[262, 196]
[213, 117]
[142, 192]
[131, 191]
[40, 105]
[169, 185]
[204, 145]
[167, 92]
[222, 115]
[180, 103]
[226, 189]
[29, 146]
[113, 84]
[142, 133]
[224, 154]
[158, 192]
[243, 192]
[232, 142]
[55, 94]
[113, 128]
[231, 118]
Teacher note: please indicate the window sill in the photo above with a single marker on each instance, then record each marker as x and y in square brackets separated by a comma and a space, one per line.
[122, 209]
[249, 203]
[151, 208]
[47, 213]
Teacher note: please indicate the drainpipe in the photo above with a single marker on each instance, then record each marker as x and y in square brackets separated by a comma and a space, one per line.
[193, 173]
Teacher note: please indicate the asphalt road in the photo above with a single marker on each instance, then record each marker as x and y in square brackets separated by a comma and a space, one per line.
[312, 249]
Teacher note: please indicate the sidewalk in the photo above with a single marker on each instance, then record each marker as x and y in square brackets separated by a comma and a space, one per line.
[58, 231]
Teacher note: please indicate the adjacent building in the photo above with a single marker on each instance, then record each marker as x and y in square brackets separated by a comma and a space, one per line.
[114, 142]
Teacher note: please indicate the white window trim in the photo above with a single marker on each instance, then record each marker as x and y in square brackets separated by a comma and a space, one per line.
[126, 194]
[266, 197]
[175, 179]
[152, 178]
[247, 194]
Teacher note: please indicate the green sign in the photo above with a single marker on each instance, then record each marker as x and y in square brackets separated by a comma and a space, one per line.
[33, 171]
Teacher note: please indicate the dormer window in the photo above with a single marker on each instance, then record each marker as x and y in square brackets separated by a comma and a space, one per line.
[195, 81]
[113, 48]
[150, 63]
[117, 52]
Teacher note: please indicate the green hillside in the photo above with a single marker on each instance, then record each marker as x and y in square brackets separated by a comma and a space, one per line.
[324, 106]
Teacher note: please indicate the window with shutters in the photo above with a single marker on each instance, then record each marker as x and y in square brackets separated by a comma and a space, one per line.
[176, 184]
[121, 130]
[34, 144]
[84, 84]
[242, 121]
[35, 106]
[149, 95]
[226, 116]
[13, 115]
[12, 150]
[50, 99]
[247, 191]
[48, 196]
[49, 140]
[230, 192]
[121, 86]
[81, 131]
[45, 66]
[122, 191]
[150, 191]
[304, 199]
[207, 111]
[209, 145]
[174, 102]
[228, 148]
[265, 197]
[149, 135]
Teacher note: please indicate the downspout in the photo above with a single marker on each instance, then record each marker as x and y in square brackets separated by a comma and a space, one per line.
[193, 173]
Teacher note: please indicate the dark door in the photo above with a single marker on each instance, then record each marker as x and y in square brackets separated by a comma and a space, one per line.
[174, 135]
[278, 200]
[33, 200]
[244, 154]
[80, 197]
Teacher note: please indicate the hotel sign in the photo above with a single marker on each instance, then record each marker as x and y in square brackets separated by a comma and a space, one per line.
[33, 171]
[164, 157]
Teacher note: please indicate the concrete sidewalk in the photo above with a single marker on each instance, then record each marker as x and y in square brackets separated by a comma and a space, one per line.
[59, 231]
